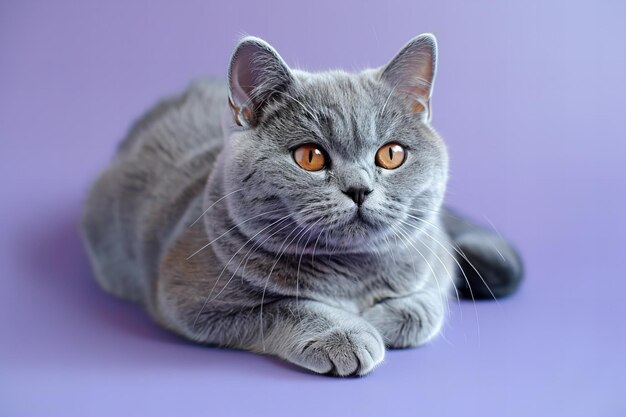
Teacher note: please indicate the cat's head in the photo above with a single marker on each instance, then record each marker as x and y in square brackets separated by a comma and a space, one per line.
[345, 157]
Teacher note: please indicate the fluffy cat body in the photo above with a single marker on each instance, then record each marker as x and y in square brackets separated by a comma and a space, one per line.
[206, 220]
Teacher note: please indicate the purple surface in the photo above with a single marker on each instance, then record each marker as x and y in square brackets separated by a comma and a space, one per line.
[531, 101]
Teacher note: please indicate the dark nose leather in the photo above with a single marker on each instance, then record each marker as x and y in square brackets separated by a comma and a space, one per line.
[357, 194]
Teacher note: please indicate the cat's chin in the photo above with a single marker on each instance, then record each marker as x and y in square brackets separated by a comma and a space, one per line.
[359, 231]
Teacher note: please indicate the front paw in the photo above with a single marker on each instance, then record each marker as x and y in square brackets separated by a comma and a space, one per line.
[406, 323]
[343, 352]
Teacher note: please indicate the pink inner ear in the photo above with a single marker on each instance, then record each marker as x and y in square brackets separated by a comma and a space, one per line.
[418, 107]
[243, 81]
[241, 77]
[256, 71]
[412, 71]
[414, 76]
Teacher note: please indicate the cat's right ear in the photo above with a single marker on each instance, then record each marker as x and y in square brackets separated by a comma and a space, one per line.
[255, 74]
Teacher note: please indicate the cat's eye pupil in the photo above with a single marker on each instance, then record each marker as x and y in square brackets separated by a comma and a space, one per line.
[390, 156]
[310, 157]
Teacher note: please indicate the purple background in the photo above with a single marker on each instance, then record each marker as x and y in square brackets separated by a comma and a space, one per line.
[531, 99]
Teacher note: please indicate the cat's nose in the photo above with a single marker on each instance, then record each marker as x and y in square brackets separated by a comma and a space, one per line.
[358, 194]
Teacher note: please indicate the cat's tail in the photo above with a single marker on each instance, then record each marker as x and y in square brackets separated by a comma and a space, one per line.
[493, 268]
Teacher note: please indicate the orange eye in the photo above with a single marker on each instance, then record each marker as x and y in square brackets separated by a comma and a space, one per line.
[390, 156]
[309, 157]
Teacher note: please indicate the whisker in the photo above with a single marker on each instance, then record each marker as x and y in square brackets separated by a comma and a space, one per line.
[280, 254]
[453, 257]
[462, 272]
[391, 252]
[462, 254]
[228, 231]
[439, 292]
[443, 264]
[453, 246]
[375, 251]
[499, 235]
[315, 246]
[254, 247]
[245, 258]
[217, 201]
[208, 298]
[300, 262]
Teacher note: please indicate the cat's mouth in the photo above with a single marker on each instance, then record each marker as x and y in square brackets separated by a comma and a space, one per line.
[362, 223]
[357, 228]
[358, 231]
[360, 217]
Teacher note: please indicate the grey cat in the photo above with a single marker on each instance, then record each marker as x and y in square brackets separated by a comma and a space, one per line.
[294, 214]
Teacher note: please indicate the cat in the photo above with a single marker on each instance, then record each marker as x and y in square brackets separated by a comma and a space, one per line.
[294, 214]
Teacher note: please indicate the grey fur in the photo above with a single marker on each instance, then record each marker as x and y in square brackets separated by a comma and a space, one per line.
[278, 263]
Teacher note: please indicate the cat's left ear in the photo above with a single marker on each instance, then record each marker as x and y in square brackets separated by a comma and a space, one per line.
[255, 74]
[412, 72]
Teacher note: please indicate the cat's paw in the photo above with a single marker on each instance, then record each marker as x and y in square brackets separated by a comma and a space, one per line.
[406, 323]
[343, 352]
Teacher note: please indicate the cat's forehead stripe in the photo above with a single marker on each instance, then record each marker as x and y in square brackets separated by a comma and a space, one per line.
[341, 112]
